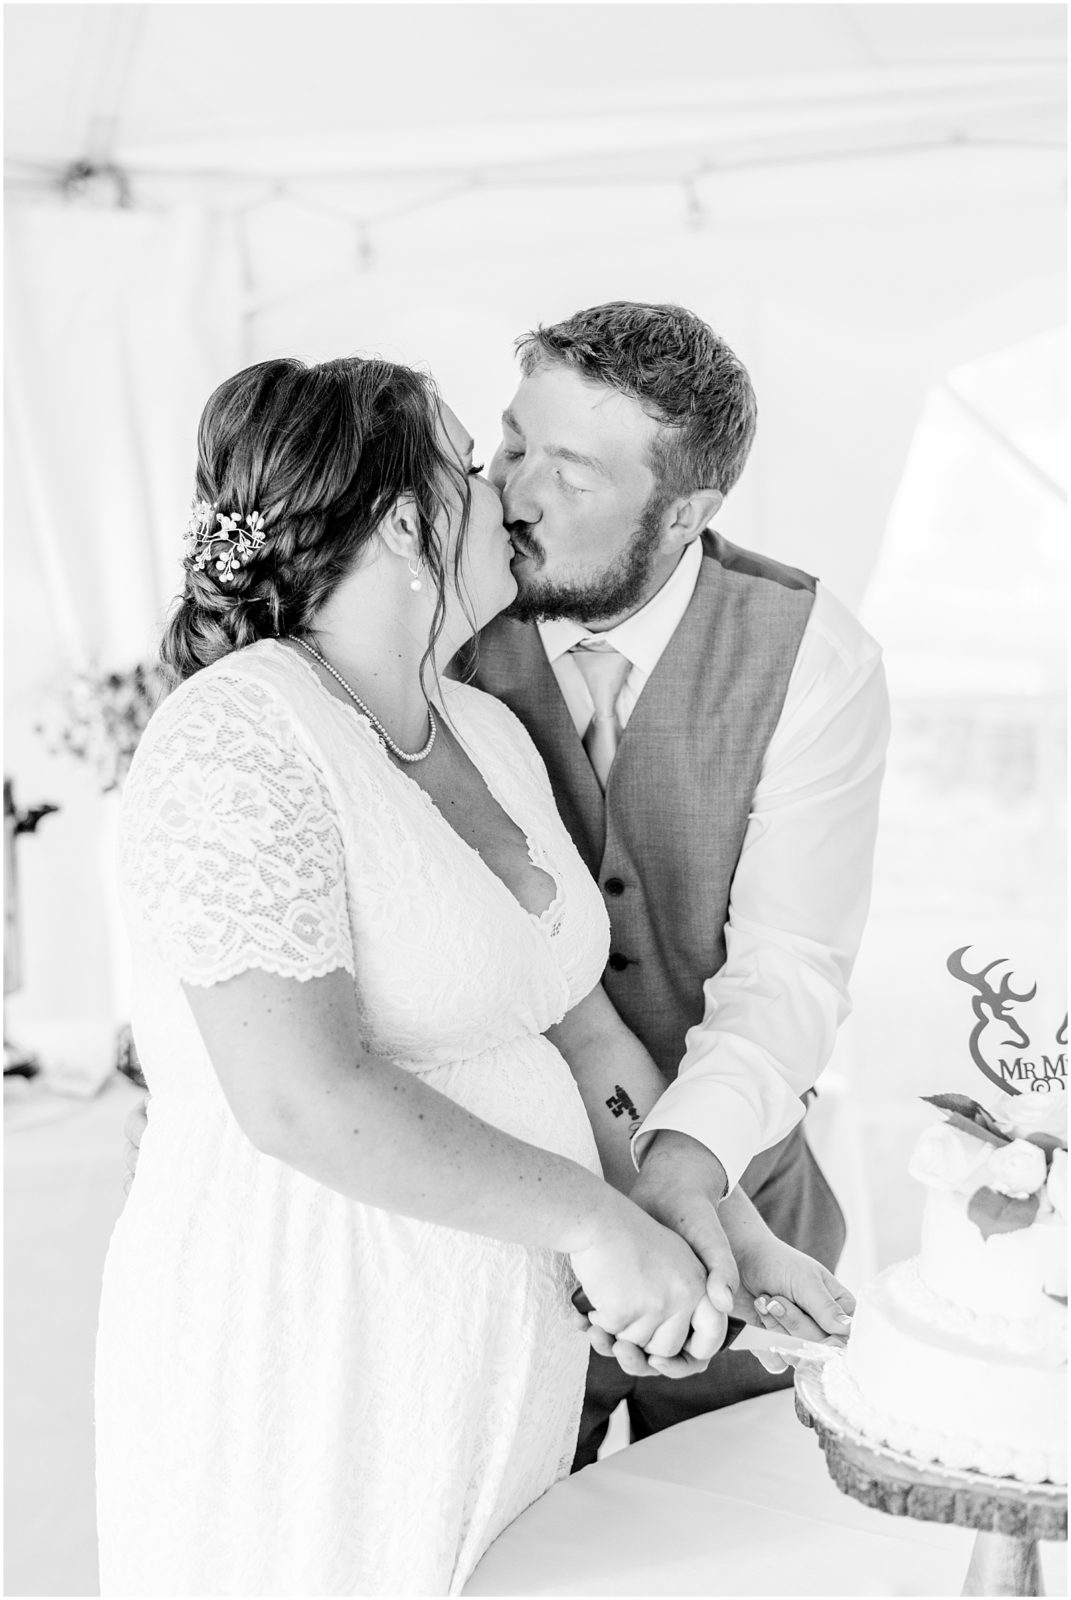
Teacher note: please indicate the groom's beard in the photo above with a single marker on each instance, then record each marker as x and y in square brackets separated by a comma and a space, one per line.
[585, 597]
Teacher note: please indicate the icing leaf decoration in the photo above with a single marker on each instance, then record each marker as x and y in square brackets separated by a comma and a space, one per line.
[1001, 1213]
[969, 1117]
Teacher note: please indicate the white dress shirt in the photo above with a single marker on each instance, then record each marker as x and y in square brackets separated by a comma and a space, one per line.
[801, 888]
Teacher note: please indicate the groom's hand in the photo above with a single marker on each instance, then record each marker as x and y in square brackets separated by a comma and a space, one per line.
[679, 1184]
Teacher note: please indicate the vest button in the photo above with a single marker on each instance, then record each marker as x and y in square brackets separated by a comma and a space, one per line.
[618, 962]
[614, 886]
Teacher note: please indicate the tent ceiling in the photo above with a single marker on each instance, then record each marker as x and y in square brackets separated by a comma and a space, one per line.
[226, 90]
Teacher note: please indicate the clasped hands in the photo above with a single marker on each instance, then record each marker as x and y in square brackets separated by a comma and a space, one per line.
[747, 1271]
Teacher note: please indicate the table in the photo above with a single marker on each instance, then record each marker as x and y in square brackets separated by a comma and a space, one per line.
[735, 1503]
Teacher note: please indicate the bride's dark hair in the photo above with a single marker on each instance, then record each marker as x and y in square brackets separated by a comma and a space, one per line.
[322, 452]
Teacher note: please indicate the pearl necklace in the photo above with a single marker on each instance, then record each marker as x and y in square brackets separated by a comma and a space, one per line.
[403, 755]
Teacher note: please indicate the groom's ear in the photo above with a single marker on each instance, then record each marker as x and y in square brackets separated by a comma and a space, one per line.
[685, 518]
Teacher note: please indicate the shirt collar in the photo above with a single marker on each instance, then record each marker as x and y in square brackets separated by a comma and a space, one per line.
[644, 636]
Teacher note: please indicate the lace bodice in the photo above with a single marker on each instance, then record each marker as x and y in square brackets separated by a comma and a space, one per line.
[265, 826]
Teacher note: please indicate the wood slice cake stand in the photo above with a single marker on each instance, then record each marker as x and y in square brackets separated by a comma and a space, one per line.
[1010, 1517]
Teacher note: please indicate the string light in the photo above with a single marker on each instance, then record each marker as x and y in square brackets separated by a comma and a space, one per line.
[97, 183]
[96, 177]
[74, 179]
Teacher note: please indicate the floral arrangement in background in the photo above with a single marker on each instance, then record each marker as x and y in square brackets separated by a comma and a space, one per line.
[99, 717]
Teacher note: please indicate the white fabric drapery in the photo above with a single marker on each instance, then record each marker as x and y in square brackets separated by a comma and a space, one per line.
[118, 325]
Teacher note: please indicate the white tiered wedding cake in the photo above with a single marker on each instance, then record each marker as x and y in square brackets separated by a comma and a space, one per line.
[959, 1356]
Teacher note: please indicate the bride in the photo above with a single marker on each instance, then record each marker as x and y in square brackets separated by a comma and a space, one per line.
[336, 1352]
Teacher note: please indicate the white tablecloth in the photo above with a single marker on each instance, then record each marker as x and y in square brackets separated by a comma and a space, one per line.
[735, 1503]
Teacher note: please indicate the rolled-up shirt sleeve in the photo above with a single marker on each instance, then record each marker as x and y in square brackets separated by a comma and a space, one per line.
[798, 903]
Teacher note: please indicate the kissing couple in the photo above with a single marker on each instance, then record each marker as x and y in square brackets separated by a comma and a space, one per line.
[494, 873]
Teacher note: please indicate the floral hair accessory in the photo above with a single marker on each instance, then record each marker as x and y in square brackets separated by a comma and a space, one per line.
[204, 538]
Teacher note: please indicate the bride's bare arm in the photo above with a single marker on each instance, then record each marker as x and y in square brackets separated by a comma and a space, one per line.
[290, 1062]
[303, 1089]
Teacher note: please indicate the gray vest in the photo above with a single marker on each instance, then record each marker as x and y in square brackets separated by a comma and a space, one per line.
[664, 841]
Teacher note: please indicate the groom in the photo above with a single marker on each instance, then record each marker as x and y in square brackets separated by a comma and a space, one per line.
[714, 725]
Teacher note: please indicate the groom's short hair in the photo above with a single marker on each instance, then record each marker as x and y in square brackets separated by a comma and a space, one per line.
[680, 371]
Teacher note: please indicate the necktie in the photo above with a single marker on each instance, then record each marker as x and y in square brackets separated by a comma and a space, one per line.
[605, 670]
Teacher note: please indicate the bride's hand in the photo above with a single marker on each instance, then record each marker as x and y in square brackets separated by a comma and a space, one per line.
[789, 1291]
[705, 1338]
[642, 1281]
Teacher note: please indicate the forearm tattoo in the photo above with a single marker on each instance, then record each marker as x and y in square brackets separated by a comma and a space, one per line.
[621, 1104]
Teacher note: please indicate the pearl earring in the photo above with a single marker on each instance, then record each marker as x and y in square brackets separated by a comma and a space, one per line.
[416, 584]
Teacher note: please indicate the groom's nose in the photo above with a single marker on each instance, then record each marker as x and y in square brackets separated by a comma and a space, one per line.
[519, 502]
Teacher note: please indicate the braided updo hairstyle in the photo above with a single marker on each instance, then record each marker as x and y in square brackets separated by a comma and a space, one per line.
[322, 452]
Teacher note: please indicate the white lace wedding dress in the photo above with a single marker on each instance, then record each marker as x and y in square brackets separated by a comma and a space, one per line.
[298, 1394]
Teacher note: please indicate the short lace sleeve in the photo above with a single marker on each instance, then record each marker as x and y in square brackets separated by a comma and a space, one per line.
[230, 853]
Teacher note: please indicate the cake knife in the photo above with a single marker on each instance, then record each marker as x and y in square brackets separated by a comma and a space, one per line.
[751, 1337]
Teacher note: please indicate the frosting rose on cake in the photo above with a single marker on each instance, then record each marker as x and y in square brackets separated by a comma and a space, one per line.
[1020, 1114]
[944, 1158]
[1017, 1169]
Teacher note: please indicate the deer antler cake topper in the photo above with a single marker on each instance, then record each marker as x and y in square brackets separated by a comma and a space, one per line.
[997, 1029]
[1008, 1160]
